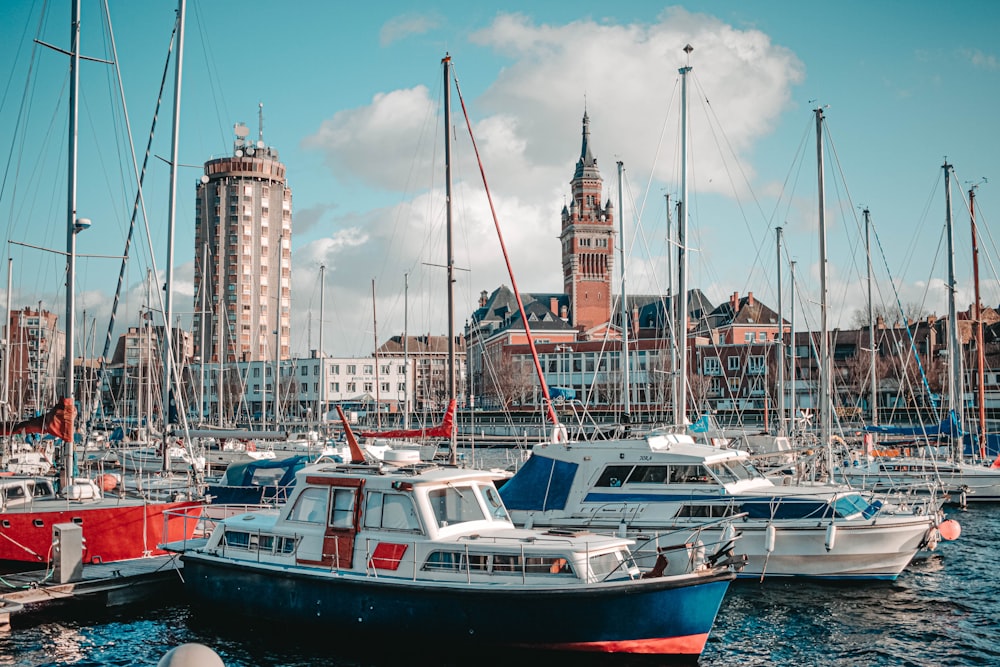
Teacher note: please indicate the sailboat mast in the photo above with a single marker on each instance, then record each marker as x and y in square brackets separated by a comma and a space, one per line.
[682, 271]
[168, 312]
[671, 305]
[825, 393]
[201, 341]
[66, 474]
[792, 390]
[446, 63]
[406, 351]
[780, 343]
[378, 411]
[627, 382]
[954, 362]
[872, 377]
[6, 411]
[980, 351]
[321, 398]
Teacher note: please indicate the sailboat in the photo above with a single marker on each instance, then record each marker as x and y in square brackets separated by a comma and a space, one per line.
[114, 526]
[960, 480]
[668, 491]
[398, 446]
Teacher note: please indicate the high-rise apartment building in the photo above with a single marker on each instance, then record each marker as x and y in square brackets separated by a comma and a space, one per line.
[35, 349]
[243, 255]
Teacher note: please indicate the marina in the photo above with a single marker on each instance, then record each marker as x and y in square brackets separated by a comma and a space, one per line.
[616, 468]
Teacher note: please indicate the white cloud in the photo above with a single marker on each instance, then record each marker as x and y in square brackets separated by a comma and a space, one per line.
[527, 125]
[400, 27]
[377, 144]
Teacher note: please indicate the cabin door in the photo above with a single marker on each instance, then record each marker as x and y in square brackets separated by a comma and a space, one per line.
[342, 522]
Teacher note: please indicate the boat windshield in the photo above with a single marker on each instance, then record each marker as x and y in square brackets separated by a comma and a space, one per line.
[734, 470]
[851, 504]
[493, 503]
[608, 566]
[454, 505]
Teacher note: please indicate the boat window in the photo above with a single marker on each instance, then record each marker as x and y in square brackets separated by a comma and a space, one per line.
[508, 564]
[266, 476]
[648, 475]
[706, 511]
[723, 473]
[343, 508]
[603, 565]
[692, 474]
[310, 506]
[237, 540]
[850, 504]
[614, 476]
[453, 505]
[456, 561]
[391, 511]
[493, 503]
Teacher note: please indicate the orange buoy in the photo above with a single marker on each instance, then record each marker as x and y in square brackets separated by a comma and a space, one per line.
[108, 482]
[950, 529]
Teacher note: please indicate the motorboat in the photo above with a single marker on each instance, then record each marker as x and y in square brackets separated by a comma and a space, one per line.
[651, 487]
[420, 551]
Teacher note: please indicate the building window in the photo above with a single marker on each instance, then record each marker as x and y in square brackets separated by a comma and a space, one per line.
[734, 385]
[748, 337]
[755, 365]
[712, 366]
[352, 369]
[733, 363]
[369, 369]
[335, 369]
[305, 370]
[369, 386]
[762, 336]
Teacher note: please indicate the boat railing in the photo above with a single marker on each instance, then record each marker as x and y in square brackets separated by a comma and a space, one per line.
[198, 521]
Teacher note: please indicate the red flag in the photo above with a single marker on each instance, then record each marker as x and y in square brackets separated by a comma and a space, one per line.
[58, 422]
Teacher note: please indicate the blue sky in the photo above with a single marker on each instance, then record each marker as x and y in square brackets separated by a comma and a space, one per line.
[351, 96]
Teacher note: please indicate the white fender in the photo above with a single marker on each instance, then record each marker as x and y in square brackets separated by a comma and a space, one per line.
[769, 537]
[831, 536]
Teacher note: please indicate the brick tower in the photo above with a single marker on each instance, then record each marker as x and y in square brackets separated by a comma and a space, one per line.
[587, 243]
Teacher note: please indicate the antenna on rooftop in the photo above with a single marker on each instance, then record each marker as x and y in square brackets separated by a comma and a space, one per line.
[260, 125]
[241, 131]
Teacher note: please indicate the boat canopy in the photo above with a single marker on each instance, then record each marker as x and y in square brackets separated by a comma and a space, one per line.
[541, 484]
[242, 474]
[949, 426]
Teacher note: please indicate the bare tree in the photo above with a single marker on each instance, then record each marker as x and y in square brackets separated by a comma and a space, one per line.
[891, 315]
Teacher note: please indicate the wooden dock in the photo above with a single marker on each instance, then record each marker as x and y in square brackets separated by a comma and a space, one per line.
[103, 584]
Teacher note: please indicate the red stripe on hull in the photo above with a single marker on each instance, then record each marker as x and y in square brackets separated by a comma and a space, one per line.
[687, 645]
[111, 532]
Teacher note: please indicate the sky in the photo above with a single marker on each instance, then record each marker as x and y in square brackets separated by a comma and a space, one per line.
[352, 98]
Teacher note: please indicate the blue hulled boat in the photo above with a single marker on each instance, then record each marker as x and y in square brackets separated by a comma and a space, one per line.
[421, 551]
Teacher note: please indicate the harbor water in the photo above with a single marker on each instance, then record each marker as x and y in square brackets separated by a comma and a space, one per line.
[943, 610]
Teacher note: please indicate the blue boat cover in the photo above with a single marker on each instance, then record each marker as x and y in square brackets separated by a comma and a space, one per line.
[241, 474]
[949, 426]
[565, 393]
[541, 484]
